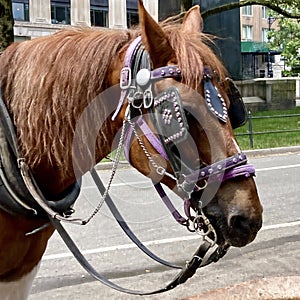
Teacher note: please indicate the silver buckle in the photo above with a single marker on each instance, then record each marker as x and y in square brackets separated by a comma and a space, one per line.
[125, 78]
[148, 98]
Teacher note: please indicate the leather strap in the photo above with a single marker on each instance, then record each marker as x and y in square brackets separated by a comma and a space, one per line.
[125, 76]
[187, 272]
[117, 215]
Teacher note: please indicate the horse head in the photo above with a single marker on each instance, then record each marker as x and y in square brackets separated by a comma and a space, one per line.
[200, 141]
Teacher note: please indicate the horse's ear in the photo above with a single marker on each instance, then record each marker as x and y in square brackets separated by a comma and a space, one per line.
[193, 22]
[154, 39]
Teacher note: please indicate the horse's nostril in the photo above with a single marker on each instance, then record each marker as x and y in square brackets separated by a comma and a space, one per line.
[239, 223]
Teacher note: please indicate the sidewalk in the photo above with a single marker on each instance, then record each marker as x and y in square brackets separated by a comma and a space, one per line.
[285, 288]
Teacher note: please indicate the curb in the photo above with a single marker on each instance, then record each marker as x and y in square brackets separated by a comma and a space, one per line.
[249, 153]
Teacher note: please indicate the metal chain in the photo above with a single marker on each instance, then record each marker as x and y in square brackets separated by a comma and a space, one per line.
[113, 172]
[159, 169]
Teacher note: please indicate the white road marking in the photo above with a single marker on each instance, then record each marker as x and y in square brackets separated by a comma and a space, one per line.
[149, 181]
[120, 184]
[278, 168]
[154, 242]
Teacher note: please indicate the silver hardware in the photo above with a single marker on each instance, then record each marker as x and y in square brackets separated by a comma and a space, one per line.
[125, 82]
[159, 169]
[148, 98]
[204, 228]
[199, 188]
[113, 171]
[143, 77]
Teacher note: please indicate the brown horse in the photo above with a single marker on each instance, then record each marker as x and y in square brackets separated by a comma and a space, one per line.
[48, 82]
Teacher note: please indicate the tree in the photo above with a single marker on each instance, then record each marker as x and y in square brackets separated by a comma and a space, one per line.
[6, 24]
[287, 38]
[286, 8]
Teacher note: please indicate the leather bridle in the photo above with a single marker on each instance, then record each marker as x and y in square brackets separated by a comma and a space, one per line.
[136, 84]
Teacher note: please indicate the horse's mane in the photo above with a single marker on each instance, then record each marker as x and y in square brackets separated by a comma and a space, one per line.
[48, 81]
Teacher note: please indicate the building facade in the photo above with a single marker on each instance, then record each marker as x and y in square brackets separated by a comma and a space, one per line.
[34, 18]
[257, 58]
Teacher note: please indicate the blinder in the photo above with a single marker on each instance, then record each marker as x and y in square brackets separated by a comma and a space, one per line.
[237, 111]
[170, 117]
[213, 98]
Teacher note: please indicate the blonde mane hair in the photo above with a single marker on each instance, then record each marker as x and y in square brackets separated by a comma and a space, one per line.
[47, 82]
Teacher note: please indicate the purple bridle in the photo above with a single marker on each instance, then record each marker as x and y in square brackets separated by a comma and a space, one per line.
[229, 168]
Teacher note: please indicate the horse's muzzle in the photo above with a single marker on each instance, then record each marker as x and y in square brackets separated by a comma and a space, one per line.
[241, 229]
[236, 229]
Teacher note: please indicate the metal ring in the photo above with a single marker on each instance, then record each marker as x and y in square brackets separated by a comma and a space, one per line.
[199, 188]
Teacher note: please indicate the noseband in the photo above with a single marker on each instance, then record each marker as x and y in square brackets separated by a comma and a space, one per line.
[169, 119]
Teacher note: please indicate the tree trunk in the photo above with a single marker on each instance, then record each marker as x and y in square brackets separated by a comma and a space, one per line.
[6, 24]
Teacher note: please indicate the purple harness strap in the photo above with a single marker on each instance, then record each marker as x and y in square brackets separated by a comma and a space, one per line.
[125, 76]
[228, 168]
[175, 213]
[152, 138]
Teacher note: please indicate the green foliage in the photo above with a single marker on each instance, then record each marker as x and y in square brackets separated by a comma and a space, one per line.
[6, 24]
[287, 38]
[287, 8]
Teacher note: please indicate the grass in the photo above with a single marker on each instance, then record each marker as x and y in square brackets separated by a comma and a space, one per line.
[265, 125]
[266, 140]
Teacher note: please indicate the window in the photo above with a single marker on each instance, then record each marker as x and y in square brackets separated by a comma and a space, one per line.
[99, 13]
[132, 18]
[247, 32]
[60, 12]
[20, 11]
[132, 13]
[247, 10]
[264, 12]
[99, 17]
[264, 37]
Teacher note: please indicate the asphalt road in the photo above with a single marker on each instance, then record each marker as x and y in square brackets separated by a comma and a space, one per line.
[275, 252]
